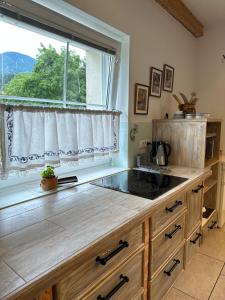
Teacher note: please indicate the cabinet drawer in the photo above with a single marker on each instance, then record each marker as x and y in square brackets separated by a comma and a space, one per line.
[139, 298]
[167, 212]
[163, 245]
[114, 251]
[210, 225]
[166, 277]
[122, 284]
[193, 243]
[194, 205]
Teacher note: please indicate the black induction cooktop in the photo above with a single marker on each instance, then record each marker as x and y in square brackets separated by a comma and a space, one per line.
[143, 184]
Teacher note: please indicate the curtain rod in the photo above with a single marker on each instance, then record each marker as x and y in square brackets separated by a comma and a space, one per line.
[31, 108]
[11, 11]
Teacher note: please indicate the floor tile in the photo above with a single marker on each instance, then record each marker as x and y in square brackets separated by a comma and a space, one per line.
[223, 228]
[214, 245]
[199, 277]
[175, 294]
[223, 271]
[219, 290]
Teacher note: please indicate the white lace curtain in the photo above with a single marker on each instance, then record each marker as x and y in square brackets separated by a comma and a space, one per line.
[32, 137]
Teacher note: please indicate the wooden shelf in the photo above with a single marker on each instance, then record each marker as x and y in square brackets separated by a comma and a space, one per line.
[204, 221]
[210, 135]
[207, 215]
[209, 183]
[211, 162]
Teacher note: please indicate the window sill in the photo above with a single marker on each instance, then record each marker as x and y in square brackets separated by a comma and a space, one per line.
[29, 191]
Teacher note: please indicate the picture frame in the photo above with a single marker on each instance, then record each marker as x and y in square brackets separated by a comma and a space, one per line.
[141, 100]
[155, 82]
[168, 78]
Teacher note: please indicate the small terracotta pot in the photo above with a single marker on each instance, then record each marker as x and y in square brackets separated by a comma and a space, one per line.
[49, 183]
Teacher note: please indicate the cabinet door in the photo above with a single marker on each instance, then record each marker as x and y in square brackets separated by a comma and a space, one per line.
[103, 258]
[160, 285]
[167, 212]
[163, 245]
[123, 284]
[194, 205]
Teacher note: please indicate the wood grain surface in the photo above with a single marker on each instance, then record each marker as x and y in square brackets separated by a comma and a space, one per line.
[182, 14]
[187, 140]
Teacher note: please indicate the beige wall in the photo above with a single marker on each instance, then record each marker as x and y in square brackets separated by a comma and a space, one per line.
[155, 38]
[211, 74]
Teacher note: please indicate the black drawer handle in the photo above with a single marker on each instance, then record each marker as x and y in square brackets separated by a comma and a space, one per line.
[176, 263]
[198, 235]
[199, 188]
[103, 260]
[212, 225]
[171, 234]
[124, 279]
[171, 209]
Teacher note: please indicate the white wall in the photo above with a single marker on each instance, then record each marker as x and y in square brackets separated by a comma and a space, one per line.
[155, 38]
[211, 74]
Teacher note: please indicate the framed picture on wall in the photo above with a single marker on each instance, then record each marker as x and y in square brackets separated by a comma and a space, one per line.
[168, 77]
[155, 82]
[141, 99]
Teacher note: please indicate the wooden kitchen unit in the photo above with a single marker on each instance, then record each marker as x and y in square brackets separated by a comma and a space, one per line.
[196, 144]
[108, 246]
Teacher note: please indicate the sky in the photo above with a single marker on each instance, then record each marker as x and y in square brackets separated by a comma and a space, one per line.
[17, 39]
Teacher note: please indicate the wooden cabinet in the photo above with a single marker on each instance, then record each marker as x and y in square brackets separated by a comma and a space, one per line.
[194, 207]
[166, 276]
[123, 284]
[211, 199]
[168, 230]
[193, 243]
[176, 222]
[196, 144]
[139, 261]
[210, 224]
[167, 212]
[46, 295]
[163, 245]
[99, 262]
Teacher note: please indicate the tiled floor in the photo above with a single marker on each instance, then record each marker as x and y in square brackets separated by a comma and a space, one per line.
[204, 277]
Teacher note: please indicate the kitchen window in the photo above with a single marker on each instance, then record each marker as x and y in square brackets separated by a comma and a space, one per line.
[40, 67]
[58, 99]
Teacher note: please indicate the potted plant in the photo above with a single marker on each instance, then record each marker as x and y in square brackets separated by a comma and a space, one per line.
[49, 180]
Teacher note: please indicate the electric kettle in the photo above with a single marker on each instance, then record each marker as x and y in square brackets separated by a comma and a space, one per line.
[161, 152]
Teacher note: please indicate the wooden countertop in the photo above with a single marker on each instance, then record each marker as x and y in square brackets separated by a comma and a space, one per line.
[44, 234]
[209, 120]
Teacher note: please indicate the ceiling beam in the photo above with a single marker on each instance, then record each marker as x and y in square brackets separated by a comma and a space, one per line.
[182, 14]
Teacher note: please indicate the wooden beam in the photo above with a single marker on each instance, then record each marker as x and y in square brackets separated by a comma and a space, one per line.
[182, 14]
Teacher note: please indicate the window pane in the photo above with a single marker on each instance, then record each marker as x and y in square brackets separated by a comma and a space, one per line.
[98, 74]
[88, 76]
[76, 75]
[31, 64]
